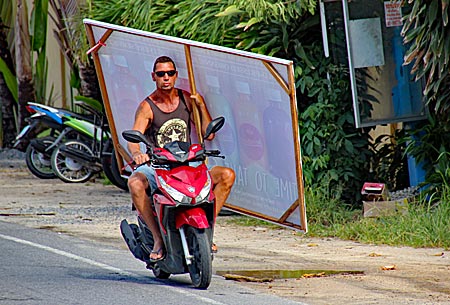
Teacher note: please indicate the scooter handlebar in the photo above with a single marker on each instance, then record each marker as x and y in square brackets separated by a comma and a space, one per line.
[214, 153]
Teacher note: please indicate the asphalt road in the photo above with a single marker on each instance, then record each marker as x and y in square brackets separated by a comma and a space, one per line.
[43, 267]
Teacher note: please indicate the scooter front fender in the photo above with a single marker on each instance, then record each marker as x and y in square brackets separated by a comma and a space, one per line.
[195, 217]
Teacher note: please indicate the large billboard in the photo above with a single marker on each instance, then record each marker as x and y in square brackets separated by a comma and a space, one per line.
[255, 94]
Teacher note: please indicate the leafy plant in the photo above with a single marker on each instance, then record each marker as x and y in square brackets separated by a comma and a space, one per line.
[336, 155]
[429, 144]
[38, 35]
[10, 78]
[426, 30]
[8, 83]
[72, 39]
[325, 212]
[389, 161]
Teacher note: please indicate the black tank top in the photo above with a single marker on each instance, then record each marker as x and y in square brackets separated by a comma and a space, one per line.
[169, 126]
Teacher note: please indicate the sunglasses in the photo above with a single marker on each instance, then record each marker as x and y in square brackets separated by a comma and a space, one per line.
[161, 73]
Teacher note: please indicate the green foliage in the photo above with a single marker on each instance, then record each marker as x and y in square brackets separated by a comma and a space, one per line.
[39, 25]
[426, 30]
[10, 79]
[90, 102]
[429, 144]
[246, 221]
[335, 153]
[389, 161]
[6, 20]
[325, 212]
[38, 37]
[425, 224]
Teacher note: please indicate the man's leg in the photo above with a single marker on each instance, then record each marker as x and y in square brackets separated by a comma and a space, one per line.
[223, 179]
[138, 184]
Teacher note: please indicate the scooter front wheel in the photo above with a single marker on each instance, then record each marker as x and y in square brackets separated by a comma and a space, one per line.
[200, 269]
[69, 169]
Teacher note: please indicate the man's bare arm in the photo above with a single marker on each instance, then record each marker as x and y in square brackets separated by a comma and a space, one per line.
[205, 117]
[142, 119]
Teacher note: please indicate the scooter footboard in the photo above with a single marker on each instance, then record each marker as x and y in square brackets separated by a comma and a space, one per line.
[174, 262]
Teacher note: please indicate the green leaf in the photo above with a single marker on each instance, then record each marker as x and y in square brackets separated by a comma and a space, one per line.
[10, 79]
[251, 22]
[39, 24]
[90, 101]
[300, 51]
[229, 11]
[75, 81]
[348, 146]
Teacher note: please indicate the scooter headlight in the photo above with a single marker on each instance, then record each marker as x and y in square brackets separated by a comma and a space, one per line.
[205, 190]
[176, 195]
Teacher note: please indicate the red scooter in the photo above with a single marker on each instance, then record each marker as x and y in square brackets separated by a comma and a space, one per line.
[183, 205]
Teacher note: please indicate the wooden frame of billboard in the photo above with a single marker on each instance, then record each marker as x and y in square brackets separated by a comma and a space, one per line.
[287, 86]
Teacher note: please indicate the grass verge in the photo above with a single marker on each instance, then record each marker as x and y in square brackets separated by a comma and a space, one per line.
[425, 224]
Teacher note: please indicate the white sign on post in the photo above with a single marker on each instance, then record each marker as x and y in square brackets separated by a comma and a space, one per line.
[393, 13]
[255, 94]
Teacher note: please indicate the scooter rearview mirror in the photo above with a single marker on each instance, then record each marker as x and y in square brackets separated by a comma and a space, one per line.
[135, 136]
[214, 126]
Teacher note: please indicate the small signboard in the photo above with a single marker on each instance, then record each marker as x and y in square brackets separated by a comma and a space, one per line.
[393, 13]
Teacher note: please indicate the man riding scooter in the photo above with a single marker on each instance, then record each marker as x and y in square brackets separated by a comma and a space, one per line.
[165, 116]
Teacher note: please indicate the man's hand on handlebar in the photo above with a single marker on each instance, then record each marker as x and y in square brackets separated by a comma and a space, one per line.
[140, 158]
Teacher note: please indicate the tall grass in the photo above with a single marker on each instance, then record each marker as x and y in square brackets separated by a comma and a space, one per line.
[425, 225]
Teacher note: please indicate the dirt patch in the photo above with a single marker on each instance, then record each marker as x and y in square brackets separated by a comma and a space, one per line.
[373, 274]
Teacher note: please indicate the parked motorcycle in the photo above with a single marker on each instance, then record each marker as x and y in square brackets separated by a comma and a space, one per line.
[184, 206]
[38, 151]
[62, 127]
[78, 159]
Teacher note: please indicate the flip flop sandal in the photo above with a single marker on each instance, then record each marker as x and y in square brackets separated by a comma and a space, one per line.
[160, 250]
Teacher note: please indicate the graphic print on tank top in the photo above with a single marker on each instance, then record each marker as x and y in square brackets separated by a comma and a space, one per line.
[172, 130]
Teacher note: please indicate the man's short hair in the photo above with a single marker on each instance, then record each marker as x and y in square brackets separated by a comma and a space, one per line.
[163, 59]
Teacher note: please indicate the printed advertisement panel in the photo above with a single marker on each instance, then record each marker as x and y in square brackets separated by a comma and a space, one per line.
[255, 94]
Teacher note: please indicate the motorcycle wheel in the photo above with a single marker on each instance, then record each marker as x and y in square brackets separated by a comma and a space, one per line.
[68, 169]
[38, 163]
[200, 270]
[110, 168]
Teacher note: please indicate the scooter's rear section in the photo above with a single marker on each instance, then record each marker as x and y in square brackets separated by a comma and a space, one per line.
[139, 243]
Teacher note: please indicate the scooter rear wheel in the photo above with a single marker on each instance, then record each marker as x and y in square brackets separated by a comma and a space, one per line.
[158, 273]
[38, 163]
[68, 169]
[200, 270]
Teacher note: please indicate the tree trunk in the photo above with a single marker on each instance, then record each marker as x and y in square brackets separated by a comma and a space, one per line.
[23, 62]
[89, 82]
[6, 99]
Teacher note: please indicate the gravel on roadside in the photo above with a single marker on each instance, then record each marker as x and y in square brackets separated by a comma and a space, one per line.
[12, 158]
